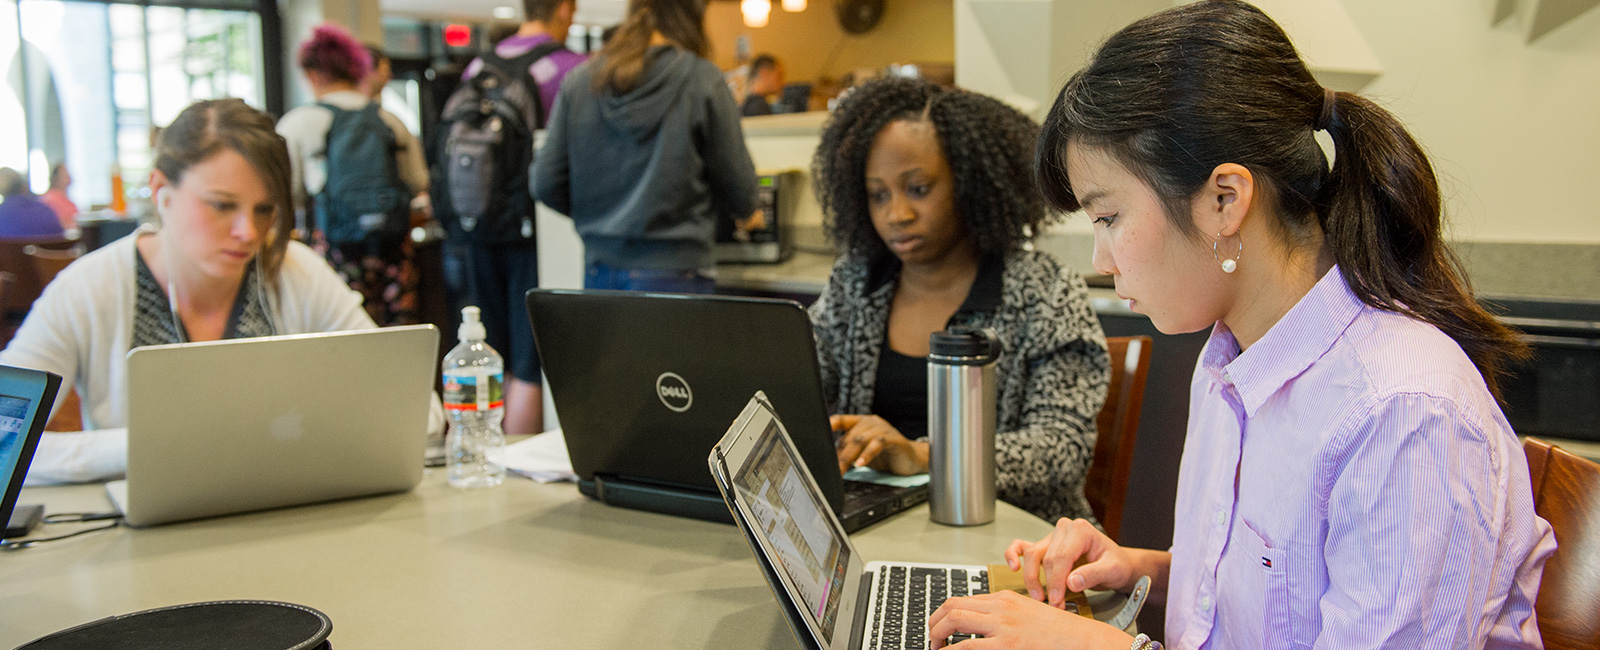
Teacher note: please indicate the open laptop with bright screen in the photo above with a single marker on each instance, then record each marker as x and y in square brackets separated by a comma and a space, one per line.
[645, 383]
[25, 400]
[234, 426]
[829, 596]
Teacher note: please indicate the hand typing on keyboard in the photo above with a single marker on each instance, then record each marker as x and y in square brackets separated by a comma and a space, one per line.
[1014, 621]
[907, 594]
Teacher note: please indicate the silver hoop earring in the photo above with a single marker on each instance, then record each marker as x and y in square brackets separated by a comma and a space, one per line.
[1231, 264]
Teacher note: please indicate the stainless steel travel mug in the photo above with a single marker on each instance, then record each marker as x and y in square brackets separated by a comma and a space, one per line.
[961, 423]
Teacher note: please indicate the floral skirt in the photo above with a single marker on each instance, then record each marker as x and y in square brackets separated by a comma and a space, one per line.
[382, 271]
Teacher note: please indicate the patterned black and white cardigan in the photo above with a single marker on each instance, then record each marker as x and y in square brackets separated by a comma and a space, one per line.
[1052, 376]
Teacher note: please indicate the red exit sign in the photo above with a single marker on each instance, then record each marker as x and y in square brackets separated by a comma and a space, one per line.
[457, 35]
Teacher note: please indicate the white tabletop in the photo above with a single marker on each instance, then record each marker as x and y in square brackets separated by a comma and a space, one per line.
[522, 565]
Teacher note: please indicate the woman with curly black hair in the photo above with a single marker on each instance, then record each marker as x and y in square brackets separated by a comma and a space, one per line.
[930, 198]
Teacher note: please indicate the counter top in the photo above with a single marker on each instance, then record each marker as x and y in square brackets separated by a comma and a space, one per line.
[806, 273]
[809, 123]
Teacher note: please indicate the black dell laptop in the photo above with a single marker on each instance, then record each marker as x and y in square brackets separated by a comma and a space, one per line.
[646, 384]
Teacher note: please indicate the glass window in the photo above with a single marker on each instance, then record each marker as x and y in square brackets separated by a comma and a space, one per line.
[13, 126]
[97, 77]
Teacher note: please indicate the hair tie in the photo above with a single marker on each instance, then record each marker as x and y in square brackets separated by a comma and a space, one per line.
[1325, 118]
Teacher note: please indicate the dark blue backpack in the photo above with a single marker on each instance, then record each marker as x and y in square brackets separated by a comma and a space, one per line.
[364, 197]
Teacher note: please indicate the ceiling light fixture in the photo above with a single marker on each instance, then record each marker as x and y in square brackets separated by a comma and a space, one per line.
[794, 5]
[504, 13]
[755, 12]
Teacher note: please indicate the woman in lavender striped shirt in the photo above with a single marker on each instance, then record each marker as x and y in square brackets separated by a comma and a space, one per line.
[1348, 479]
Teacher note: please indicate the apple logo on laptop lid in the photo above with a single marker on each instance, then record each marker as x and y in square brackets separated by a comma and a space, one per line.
[289, 426]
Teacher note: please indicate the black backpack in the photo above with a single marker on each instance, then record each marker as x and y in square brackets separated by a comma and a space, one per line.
[364, 196]
[480, 187]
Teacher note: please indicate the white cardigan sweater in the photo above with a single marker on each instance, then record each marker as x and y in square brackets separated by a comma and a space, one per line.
[82, 326]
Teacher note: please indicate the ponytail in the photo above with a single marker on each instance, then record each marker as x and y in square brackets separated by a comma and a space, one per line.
[1381, 217]
[1174, 95]
[622, 60]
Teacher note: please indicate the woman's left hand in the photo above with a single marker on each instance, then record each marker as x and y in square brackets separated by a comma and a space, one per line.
[1011, 620]
[871, 440]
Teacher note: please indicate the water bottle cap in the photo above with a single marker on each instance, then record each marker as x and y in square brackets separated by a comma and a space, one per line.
[471, 327]
[966, 346]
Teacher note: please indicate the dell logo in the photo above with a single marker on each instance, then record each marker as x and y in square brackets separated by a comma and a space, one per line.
[674, 392]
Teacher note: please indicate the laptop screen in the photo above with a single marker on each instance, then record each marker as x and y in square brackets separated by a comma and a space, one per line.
[794, 520]
[13, 433]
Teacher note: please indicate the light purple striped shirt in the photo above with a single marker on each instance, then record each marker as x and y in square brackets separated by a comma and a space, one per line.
[1349, 482]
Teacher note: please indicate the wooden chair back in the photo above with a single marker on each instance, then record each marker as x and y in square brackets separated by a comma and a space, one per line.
[47, 262]
[15, 260]
[1566, 493]
[1107, 483]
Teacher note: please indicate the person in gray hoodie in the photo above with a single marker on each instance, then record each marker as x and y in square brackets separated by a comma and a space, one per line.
[644, 151]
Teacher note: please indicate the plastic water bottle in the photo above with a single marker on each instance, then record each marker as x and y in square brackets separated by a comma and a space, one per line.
[475, 449]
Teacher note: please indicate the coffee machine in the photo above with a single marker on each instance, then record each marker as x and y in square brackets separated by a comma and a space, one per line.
[770, 243]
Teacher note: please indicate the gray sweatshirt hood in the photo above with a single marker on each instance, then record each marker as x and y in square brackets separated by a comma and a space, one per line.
[668, 72]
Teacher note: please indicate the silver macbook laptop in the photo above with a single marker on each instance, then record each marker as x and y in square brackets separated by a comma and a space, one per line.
[829, 596]
[233, 426]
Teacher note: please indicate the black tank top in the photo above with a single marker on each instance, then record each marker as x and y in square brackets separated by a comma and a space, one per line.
[900, 395]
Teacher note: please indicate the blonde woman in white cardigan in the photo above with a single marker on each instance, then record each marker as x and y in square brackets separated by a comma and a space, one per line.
[222, 266]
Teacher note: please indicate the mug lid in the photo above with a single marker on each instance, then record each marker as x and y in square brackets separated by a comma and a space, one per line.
[969, 345]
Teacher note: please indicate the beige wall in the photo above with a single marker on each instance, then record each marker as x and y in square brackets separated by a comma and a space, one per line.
[1513, 128]
[810, 43]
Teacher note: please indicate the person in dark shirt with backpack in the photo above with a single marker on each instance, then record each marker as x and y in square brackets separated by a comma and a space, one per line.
[359, 169]
[481, 188]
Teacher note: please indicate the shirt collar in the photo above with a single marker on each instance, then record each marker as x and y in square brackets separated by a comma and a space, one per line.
[1295, 342]
[526, 44]
[985, 294]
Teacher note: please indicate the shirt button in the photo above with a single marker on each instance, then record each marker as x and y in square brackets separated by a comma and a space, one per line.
[1205, 603]
[1222, 518]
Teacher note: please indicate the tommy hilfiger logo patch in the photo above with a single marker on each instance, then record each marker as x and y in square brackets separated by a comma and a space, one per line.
[1266, 562]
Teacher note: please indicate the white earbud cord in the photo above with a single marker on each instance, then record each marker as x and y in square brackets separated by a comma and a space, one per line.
[172, 295]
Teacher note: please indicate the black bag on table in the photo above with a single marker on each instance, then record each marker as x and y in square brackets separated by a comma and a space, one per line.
[218, 625]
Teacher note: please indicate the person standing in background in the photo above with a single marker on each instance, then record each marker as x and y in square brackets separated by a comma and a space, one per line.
[374, 258]
[766, 83]
[57, 199]
[645, 153]
[499, 251]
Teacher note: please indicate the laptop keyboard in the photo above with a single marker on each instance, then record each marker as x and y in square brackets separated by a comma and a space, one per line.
[857, 494]
[907, 595]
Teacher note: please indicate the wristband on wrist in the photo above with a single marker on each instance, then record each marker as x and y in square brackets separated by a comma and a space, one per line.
[1144, 642]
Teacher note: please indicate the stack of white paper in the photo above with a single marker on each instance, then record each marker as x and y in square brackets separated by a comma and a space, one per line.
[542, 458]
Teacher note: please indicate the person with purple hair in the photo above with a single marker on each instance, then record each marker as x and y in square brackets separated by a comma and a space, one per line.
[378, 266]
